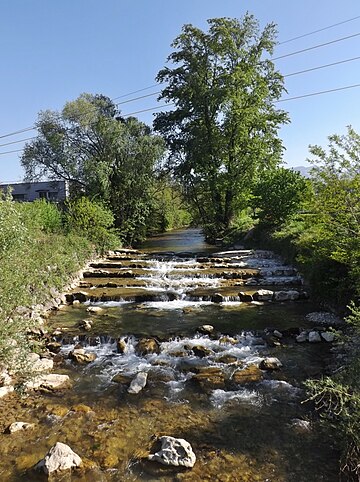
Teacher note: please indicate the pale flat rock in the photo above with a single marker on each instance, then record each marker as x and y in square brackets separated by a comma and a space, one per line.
[19, 426]
[138, 383]
[6, 390]
[94, 309]
[59, 457]
[52, 381]
[43, 365]
[174, 451]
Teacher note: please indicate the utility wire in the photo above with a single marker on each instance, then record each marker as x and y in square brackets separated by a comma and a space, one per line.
[147, 110]
[318, 93]
[137, 98]
[316, 46]
[319, 30]
[135, 92]
[322, 66]
[18, 132]
[10, 152]
[17, 142]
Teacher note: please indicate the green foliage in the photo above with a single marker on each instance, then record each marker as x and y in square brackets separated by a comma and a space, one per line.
[92, 220]
[223, 131]
[169, 210]
[278, 194]
[102, 155]
[42, 215]
[37, 253]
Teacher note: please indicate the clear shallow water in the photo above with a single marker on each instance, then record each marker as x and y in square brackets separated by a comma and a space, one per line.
[239, 432]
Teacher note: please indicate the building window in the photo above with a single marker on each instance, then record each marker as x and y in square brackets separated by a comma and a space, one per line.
[18, 197]
[43, 194]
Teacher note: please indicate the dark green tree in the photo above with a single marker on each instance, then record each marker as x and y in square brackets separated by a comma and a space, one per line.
[102, 154]
[222, 132]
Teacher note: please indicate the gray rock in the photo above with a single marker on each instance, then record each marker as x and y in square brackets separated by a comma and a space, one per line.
[289, 295]
[174, 451]
[17, 426]
[138, 383]
[60, 457]
[277, 333]
[94, 309]
[43, 365]
[314, 337]
[328, 336]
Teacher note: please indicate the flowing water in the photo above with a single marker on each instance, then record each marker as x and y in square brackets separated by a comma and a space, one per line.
[203, 387]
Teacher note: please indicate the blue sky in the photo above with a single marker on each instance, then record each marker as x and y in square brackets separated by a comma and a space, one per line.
[52, 51]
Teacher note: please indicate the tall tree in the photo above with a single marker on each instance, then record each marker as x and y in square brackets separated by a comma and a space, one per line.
[103, 155]
[222, 132]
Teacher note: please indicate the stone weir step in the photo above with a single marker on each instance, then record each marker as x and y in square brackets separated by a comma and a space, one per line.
[146, 296]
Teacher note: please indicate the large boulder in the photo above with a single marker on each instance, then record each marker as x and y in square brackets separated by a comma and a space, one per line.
[176, 452]
[252, 373]
[49, 382]
[209, 377]
[138, 383]
[314, 337]
[60, 457]
[79, 355]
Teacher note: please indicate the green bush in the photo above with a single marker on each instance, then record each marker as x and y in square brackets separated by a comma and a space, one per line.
[92, 220]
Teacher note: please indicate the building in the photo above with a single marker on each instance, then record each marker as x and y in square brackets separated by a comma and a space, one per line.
[56, 191]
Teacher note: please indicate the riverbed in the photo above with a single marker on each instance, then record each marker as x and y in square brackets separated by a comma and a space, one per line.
[241, 429]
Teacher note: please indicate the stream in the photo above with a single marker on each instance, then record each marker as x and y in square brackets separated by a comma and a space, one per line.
[148, 311]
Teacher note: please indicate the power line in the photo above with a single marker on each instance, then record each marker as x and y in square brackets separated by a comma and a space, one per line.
[319, 30]
[147, 110]
[135, 92]
[318, 93]
[137, 98]
[17, 142]
[316, 46]
[18, 132]
[10, 152]
[322, 66]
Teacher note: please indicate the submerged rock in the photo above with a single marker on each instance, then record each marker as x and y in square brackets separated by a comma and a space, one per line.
[176, 452]
[290, 295]
[201, 351]
[60, 457]
[324, 318]
[301, 426]
[94, 309]
[138, 383]
[209, 377]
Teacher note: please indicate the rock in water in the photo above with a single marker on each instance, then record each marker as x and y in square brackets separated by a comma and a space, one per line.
[270, 363]
[17, 426]
[138, 383]
[174, 451]
[59, 457]
[314, 337]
